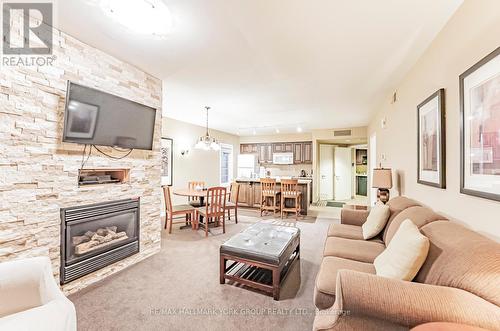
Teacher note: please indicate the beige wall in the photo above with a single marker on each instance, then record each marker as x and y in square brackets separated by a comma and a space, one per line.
[472, 33]
[197, 164]
[277, 138]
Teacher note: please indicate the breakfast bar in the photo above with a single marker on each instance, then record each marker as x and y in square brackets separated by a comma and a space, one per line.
[250, 192]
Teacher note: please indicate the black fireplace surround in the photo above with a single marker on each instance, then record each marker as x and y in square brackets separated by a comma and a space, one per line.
[94, 236]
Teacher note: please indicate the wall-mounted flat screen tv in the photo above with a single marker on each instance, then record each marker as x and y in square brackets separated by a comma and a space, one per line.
[94, 117]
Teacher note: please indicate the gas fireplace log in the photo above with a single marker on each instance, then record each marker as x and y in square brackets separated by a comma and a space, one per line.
[79, 240]
[99, 241]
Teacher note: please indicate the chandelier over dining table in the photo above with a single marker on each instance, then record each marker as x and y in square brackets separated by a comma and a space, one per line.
[207, 142]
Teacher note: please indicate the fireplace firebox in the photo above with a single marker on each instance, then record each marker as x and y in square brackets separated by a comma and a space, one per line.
[94, 236]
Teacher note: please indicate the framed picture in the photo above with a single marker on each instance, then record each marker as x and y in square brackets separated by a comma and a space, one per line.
[82, 120]
[167, 153]
[432, 141]
[480, 128]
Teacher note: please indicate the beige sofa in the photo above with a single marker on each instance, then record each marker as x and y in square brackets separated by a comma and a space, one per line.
[459, 282]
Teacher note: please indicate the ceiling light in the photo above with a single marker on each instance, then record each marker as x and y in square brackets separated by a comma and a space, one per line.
[207, 142]
[254, 132]
[150, 17]
[299, 129]
[277, 130]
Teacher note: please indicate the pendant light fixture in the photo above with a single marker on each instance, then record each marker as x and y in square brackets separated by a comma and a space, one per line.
[207, 142]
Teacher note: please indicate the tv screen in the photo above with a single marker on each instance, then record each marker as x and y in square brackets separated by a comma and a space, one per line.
[94, 117]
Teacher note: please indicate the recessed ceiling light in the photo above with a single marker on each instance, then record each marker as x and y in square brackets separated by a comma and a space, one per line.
[299, 129]
[150, 17]
[254, 132]
[277, 130]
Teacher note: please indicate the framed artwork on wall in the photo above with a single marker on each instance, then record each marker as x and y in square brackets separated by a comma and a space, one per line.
[431, 149]
[167, 153]
[480, 128]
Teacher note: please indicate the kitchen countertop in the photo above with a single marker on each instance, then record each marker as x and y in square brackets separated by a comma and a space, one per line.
[278, 180]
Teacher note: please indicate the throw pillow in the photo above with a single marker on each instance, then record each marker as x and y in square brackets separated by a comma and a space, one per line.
[405, 254]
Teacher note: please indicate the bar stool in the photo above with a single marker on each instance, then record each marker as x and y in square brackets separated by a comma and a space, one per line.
[269, 196]
[290, 190]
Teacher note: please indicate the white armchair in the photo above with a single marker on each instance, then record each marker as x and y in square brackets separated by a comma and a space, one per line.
[30, 298]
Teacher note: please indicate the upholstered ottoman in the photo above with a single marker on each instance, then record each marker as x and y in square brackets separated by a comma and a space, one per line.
[260, 256]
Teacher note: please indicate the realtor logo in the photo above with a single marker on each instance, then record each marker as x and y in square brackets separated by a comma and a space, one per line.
[27, 28]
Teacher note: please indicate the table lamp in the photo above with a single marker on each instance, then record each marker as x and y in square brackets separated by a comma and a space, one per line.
[382, 180]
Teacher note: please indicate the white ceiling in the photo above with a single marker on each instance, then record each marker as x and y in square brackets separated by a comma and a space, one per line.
[272, 63]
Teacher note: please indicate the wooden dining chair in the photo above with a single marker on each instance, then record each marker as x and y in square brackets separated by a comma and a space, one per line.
[269, 196]
[215, 209]
[195, 201]
[290, 190]
[171, 211]
[232, 201]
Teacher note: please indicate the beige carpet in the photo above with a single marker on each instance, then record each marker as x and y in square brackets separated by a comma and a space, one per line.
[178, 289]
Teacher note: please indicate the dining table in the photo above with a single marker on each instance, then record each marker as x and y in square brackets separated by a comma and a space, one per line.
[201, 194]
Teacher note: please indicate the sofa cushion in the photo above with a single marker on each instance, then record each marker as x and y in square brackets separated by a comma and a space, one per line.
[324, 290]
[404, 255]
[327, 275]
[376, 221]
[359, 250]
[345, 231]
[461, 258]
[417, 214]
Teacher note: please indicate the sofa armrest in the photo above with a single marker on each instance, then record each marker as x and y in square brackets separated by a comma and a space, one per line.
[409, 304]
[353, 217]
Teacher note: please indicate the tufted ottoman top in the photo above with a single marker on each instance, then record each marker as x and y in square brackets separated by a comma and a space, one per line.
[263, 242]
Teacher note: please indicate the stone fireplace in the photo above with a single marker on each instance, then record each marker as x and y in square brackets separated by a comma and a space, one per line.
[39, 173]
[95, 236]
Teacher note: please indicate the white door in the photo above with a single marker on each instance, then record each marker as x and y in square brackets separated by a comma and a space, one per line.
[343, 172]
[326, 172]
[372, 161]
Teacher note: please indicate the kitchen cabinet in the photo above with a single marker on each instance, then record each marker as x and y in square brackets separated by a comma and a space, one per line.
[302, 151]
[307, 152]
[282, 147]
[250, 191]
[297, 153]
[265, 153]
[278, 148]
[256, 191]
[248, 148]
[245, 196]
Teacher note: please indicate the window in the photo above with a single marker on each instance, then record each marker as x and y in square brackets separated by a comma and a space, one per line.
[226, 164]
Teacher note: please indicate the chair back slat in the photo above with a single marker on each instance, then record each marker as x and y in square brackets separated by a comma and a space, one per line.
[192, 186]
[268, 185]
[168, 199]
[289, 187]
[234, 193]
[216, 201]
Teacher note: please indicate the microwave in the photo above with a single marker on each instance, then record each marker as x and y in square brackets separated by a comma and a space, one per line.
[283, 158]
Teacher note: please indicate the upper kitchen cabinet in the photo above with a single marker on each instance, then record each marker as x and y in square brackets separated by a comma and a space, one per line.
[297, 153]
[265, 153]
[302, 151]
[282, 147]
[307, 152]
[249, 148]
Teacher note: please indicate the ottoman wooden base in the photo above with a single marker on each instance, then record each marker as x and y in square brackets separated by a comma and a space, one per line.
[259, 275]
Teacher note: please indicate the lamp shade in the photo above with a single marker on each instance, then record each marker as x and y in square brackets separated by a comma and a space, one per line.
[382, 178]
